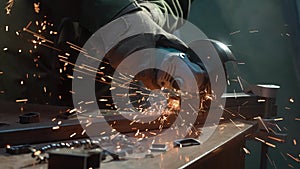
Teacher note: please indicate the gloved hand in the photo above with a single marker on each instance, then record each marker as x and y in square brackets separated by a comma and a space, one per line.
[174, 71]
[180, 73]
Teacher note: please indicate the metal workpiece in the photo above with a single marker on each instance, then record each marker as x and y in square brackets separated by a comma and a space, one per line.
[31, 117]
[75, 159]
[264, 90]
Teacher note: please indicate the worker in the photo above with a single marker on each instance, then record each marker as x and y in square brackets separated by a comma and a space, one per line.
[93, 15]
[76, 21]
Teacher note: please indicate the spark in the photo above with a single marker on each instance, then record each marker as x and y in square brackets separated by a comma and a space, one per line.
[227, 111]
[254, 31]
[295, 142]
[279, 119]
[72, 135]
[28, 25]
[238, 126]
[52, 32]
[262, 122]
[114, 136]
[37, 153]
[246, 150]
[228, 82]
[112, 88]
[240, 82]
[261, 100]
[96, 59]
[292, 100]
[283, 156]
[90, 102]
[59, 122]
[92, 69]
[276, 139]
[70, 77]
[267, 143]
[137, 132]
[242, 116]
[235, 32]
[287, 108]
[36, 7]
[78, 49]
[152, 133]
[36, 34]
[131, 123]
[103, 79]
[270, 144]
[267, 155]
[73, 110]
[55, 128]
[21, 100]
[294, 158]
[5, 49]
[88, 124]
[9, 6]
[76, 46]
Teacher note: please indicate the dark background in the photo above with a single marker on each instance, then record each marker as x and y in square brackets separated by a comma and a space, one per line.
[270, 54]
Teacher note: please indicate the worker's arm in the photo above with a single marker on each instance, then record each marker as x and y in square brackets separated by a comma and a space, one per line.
[169, 14]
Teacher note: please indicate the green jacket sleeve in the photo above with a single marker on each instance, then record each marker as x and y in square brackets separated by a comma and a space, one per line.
[173, 12]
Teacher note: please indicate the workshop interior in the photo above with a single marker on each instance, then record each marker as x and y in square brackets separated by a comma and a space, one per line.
[168, 84]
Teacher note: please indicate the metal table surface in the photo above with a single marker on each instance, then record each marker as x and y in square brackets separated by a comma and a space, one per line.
[224, 149]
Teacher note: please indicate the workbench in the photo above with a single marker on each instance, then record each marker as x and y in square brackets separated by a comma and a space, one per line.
[224, 149]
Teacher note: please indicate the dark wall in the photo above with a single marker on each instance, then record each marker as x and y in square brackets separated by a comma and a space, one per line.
[28, 72]
[262, 38]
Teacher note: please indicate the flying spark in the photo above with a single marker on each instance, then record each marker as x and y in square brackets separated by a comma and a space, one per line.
[235, 32]
[55, 128]
[36, 7]
[72, 135]
[246, 150]
[292, 157]
[254, 31]
[21, 100]
[9, 6]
